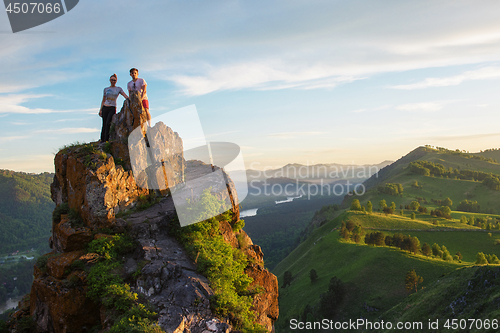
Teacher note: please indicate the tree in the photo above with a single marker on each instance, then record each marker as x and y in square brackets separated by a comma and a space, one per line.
[332, 299]
[446, 254]
[350, 226]
[413, 215]
[426, 249]
[414, 205]
[436, 250]
[472, 221]
[459, 255]
[313, 275]
[382, 204]
[414, 245]
[481, 259]
[369, 207]
[393, 206]
[463, 219]
[388, 210]
[412, 280]
[447, 202]
[469, 206]
[287, 279]
[355, 205]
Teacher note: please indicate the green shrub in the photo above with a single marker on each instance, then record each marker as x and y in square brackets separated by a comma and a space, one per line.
[58, 211]
[119, 297]
[238, 225]
[220, 263]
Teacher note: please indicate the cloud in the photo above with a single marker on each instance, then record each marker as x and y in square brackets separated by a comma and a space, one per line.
[383, 107]
[260, 75]
[265, 45]
[292, 135]
[219, 134]
[424, 106]
[4, 139]
[70, 130]
[12, 104]
[480, 74]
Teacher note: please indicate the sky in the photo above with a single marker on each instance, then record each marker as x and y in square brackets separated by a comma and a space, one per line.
[288, 81]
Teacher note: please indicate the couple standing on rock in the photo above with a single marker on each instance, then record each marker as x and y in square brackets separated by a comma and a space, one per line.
[108, 104]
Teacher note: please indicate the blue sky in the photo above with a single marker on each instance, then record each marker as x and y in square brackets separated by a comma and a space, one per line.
[288, 81]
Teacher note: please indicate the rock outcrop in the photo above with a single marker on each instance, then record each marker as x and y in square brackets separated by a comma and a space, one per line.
[96, 182]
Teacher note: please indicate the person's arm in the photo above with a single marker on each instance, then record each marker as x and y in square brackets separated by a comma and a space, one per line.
[123, 93]
[143, 88]
[102, 104]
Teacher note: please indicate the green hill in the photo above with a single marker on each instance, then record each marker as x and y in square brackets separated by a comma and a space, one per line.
[372, 278]
[25, 210]
[465, 300]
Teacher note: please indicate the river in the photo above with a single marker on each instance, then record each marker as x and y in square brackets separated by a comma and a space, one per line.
[10, 304]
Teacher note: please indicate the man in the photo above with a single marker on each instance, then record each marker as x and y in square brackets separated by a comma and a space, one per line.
[140, 85]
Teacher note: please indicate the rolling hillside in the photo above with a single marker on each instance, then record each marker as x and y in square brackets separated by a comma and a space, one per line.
[372, 278]
[25, 210]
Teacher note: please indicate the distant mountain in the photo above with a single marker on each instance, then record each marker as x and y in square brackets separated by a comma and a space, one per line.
[25, 210]
[330, 171]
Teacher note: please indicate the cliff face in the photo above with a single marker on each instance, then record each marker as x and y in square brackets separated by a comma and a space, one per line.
[93, 183]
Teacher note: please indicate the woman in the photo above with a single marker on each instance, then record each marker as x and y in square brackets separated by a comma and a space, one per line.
[108, 106]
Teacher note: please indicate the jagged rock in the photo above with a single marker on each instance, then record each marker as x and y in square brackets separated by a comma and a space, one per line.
[98, 193]
[131, 116]
[265, 302]
[58, 309]
[95, 187]
[56, 266]
[66, 239]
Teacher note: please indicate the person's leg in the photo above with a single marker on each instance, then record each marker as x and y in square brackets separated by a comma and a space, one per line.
[103, 130]
[145, 104]
[108, 115]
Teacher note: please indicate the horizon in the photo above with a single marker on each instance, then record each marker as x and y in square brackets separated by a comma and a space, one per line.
[355, 84]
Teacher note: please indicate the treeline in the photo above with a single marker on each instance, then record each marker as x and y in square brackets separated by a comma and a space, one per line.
[465, 154]
[426, 168]
[25, 210]
[410, 244]
[391, 188]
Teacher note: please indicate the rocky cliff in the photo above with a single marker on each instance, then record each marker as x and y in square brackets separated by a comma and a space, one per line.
[98, 197]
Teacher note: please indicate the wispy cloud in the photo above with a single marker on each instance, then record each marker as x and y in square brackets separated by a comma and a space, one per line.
[12, 104]
[4, 139]
[263, 75]
[383, 107]
[480, 74]
[291, 135]
[219, 134]
[69, 130]
[424, 106]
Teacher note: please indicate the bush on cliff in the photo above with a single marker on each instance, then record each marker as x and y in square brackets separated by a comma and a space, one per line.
[222, 264]
[107, 287]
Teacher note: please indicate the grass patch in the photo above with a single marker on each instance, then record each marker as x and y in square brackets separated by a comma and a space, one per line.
[221, 264]
[108, 288]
